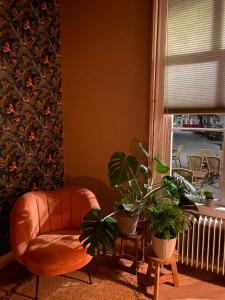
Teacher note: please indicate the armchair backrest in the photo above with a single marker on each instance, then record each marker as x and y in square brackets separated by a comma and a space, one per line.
[39, 212]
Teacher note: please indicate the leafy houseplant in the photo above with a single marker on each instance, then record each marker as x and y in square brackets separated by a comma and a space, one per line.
[132, 179]
[169, 217]
[166, 221]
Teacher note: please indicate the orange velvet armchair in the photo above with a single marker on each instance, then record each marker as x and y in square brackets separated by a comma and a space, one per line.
[45, 230]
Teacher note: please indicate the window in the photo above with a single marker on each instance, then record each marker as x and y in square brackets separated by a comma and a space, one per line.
[202, 136]
[194, 82]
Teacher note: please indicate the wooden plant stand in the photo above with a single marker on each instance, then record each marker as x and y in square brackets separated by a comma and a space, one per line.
[138, 240]
[154, 267]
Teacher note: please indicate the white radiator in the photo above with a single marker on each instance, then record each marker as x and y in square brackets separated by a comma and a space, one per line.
[203, 245]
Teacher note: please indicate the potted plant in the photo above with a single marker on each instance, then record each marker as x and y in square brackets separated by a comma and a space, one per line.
[171, 214]
[129, 176]
[207, 197]
[166, 221]
[132, 178]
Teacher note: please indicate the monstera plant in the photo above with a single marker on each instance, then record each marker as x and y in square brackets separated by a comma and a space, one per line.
[129, 176]
[133, 180]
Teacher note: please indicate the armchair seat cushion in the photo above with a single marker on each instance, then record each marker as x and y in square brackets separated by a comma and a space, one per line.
[56, 252]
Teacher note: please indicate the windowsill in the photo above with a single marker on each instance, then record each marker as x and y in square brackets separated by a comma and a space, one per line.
[215, 211]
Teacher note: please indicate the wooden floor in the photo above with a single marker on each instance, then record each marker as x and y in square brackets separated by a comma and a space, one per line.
[195, 284]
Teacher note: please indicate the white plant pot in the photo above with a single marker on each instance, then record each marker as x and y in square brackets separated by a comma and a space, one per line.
[163, 248]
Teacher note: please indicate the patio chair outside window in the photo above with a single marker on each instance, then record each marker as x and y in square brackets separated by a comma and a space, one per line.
[205, 152]
[220, 155]
[176, 155]
[214, 167]
[195, 165]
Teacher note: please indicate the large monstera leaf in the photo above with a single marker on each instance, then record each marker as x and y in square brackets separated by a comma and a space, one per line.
[98, 233]
[121, 168]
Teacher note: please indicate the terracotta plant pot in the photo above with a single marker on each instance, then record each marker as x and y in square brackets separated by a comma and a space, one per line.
[163, 248]
[209, 202]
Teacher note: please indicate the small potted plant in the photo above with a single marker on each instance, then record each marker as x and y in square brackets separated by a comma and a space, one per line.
[207, 197]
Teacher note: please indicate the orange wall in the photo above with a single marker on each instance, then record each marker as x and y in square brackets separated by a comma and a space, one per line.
[105, 73]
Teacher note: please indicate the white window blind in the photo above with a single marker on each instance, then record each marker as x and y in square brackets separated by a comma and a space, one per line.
[195, 57]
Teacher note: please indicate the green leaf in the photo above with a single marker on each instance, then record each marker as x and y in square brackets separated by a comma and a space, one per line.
[133, 184]
[166, 220]
[147, 186]
[94, 214]
[86, 242]
[86, 225]
[129, 207]
[87, 233]
[160, 166]
[121, 168]
[93, 248]
[184, 184]
[144, 171]
[186, 204]
[110, 221]
[171, 187]
[109, 243]
[98, 233]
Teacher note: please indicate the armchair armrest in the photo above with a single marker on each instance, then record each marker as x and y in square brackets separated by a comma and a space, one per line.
[22, 226]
